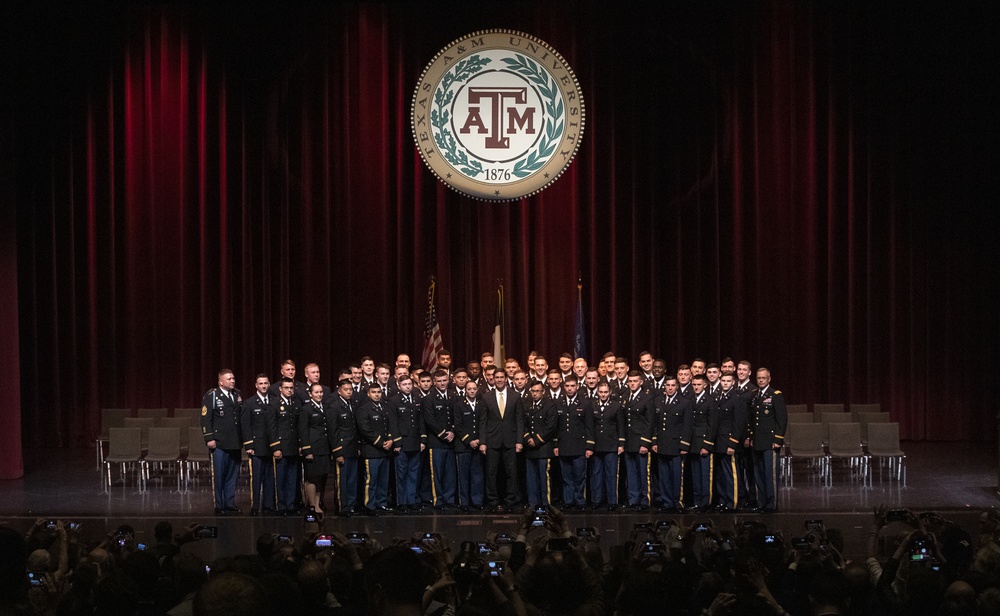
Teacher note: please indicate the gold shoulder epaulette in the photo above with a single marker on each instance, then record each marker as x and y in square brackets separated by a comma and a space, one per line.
[777, 391]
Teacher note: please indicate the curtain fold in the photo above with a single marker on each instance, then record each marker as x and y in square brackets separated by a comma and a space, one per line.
[203, 195]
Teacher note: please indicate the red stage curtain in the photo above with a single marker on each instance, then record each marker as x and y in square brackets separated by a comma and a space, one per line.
[200, 191]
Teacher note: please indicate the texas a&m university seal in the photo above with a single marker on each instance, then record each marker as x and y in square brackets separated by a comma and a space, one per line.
[498, 115]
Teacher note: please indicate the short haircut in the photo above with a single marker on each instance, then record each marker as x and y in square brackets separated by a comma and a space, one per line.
[404, 378]
[621, 360]
[609, 354]
[726, 359]
[641, 353]
[288, 362]
[485, 355]
[440, 372]
[383, 365]
[444, 352]
[566, 356]
[314, 386]
[632, 373]
[683, 367]
[261, 375]
[553, 371]
[571, 378]
[286, 381]
[700, 377]
[224, 372]
[744, 362]
[374, 386]
[367, 358]
[460, 371]
[728, 373]
[347, 382]
[712, 365]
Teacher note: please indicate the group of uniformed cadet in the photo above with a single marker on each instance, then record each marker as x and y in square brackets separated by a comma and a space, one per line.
[705, 437]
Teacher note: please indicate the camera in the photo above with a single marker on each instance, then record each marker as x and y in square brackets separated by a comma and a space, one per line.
[141, 546]
[357, 538]
[802, 543]
[814, 525]
[431, 537]
[484, 547]
[770, 539]
[283, 539]
[653, 549]
[920, 548]
[585, 531]
[558, 544]
[324, 541]
[495, 567]
[702, 527]
[541, 515]
[207, 532]
[664, 524]
[35, 578]
[311, 517]
[504, 539]
[468, 565]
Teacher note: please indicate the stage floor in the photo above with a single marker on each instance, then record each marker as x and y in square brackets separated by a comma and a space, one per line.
[958, 479]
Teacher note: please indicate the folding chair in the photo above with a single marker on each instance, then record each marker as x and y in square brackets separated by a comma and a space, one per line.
[144, 424]
[883, 443]
[857, 409]
[801, 418]
[832, 417]
[870, 418]
[197, 455]
[182, 424]
[845, 444]
[192, 415]
[828, 408]
[796, 409]
[125, 448]
[164, 447]
[807, 444]
[110, 418]
[151, 413]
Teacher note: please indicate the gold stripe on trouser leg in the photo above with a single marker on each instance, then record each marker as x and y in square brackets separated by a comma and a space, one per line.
[274, 474]
[253, 497]
[618, 470]
[736, 491]
[649, 479]
[368, 482]
[548, 483]
[336, 484]
[434, 495]
[711, 477]
[774, 476]
[211, 468]
[682, 483]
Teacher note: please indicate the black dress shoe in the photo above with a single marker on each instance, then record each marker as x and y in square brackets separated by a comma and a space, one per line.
[219, 511]
[253, 512]
[233, 510]
[385, 509]
[347, 513]
[613, 508]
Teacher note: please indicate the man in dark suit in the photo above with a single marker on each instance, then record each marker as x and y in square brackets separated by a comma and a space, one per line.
[468, 458]
[671, 442]
[312, 377]
[407, 427]
[574, 442]
[638, 440]
[220, 425]
[770, 418]
[500, 429]
[728, 439]
[286, 454]
[436, 408]
[259, 427]
[704, 416]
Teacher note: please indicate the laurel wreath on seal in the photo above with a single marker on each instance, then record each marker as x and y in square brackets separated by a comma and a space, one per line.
[465, 69]
[553, 104]
[440, 116]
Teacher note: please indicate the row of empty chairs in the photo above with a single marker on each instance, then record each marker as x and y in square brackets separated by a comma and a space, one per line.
[827, 418]
[856, 409]
[806, 441]
[121, 418]
[162, 446]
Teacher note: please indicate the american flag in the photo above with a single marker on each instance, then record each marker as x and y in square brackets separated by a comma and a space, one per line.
[432, 333]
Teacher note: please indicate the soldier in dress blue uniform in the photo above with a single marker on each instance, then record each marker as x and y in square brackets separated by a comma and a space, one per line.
[220, 425]
[437, 413]
[311, 372]
[574, 442]
[376, 447]
[539, 422]
[684, 381]
[671, 418]
[407, 427]
[316, 436]
[286, 454]
[468, 458]
[746, 388]
[770, 418]
[259, 427]
[728, 439]
[288, 372]
[635, 405]
[703, 428]
[345, 447]
[609, 443]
